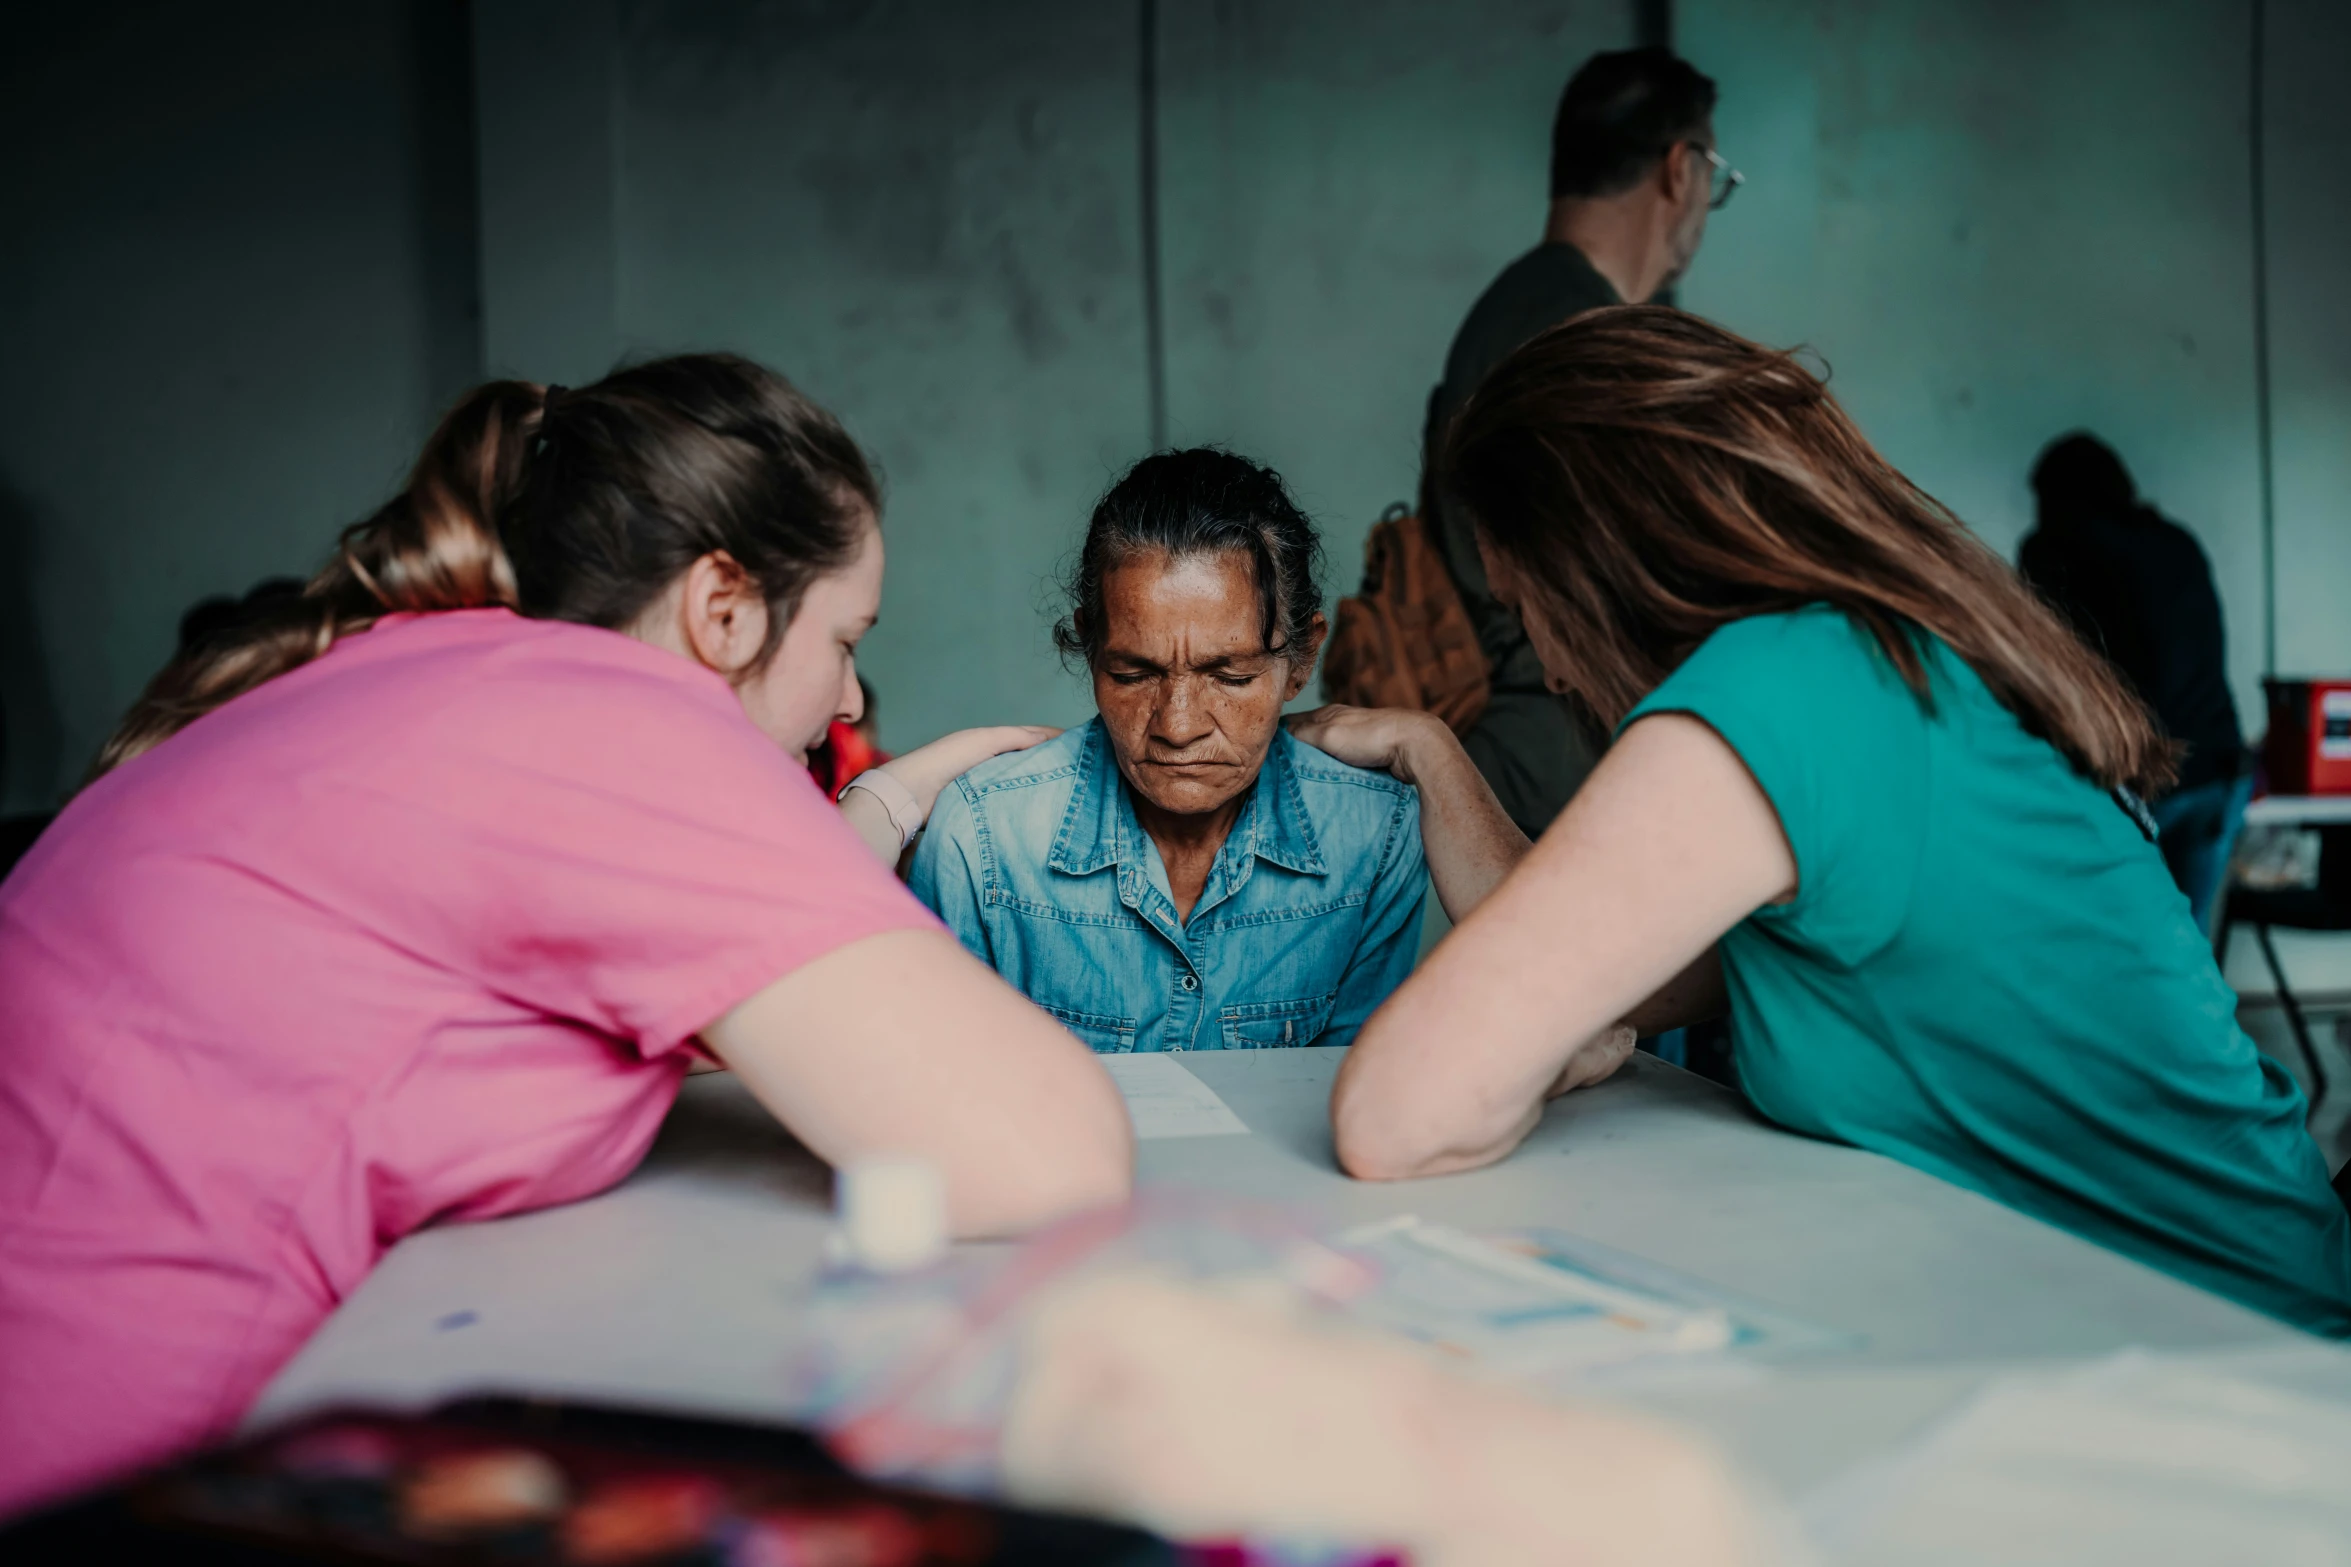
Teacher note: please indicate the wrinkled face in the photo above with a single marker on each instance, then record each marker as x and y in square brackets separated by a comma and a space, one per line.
[1189, 695]
[812, 679]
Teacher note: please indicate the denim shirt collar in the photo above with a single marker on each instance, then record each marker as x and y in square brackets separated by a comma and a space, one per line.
[1099, 829]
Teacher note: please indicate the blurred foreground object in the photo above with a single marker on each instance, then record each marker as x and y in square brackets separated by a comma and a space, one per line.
[1213, 1368]
[1209, 1413]
[519, 1483]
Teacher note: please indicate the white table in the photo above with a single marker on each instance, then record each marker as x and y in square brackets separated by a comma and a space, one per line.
[679, 1287]
[2314, 810]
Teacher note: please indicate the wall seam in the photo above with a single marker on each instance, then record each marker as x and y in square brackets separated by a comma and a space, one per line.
[1147, 169]
[2258, 134]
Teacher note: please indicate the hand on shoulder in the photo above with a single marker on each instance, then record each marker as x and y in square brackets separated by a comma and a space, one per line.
[928, 769]
[1385, 739]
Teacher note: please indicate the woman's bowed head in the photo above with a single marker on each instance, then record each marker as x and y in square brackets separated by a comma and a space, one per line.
[1641, 478]
[1195, 610]
[1180, 873]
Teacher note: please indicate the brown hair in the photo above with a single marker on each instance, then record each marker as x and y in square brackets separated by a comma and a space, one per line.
[566, 505]
[1653, 478]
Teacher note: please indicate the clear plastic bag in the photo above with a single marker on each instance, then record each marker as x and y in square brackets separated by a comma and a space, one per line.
[908, 1374]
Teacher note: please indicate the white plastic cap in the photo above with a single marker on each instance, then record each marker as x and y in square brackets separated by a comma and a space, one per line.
[892, 1212]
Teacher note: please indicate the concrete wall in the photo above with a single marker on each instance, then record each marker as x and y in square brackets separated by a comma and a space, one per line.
[235, 281]
[1340, 179]
[926, 214]
[1999, 223]
[2309, 225]
[929, 215]
[239, 271]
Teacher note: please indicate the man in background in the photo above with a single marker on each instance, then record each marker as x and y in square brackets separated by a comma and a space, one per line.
[2136, 585]
[1633, 175]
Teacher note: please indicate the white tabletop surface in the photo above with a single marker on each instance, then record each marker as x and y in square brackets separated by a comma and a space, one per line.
[680, 1286]
[2274, 810]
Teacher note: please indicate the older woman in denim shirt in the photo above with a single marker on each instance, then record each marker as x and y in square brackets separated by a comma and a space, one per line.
[1182, 873]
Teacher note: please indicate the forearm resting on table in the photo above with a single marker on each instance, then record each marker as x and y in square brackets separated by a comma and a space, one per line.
[903, 1043]
[1668, 845]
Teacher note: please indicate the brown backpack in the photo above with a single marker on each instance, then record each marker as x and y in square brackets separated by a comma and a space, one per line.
[1405, 640]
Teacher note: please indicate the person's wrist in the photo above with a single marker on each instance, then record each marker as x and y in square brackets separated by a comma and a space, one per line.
[908, 811]
[1426, 738]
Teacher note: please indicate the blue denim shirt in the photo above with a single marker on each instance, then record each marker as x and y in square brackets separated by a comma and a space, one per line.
[1310, 916]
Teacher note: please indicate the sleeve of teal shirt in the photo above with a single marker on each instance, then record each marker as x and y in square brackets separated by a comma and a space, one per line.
[947, 874]
[1838, 742]
[1391, 927]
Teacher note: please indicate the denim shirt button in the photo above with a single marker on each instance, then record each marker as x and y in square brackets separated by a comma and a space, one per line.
[1190, 982]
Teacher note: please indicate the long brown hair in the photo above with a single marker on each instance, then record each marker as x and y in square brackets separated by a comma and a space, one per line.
[1653, 477]
[567, 505]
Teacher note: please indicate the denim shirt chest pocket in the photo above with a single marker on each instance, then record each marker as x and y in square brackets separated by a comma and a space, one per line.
[1099, 1031]
[1273, 1025]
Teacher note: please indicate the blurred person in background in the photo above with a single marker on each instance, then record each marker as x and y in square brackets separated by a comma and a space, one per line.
[1634, 174]
[2137, 587]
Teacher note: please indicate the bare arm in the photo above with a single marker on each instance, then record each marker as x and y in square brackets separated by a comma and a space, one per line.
[903, 1043]
[1668, 845]
[1470, 844]
[928, 769]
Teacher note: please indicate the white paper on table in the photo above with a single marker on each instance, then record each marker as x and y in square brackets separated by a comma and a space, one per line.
[1167, 1101]
[1513, 1312]
[2137, 1461]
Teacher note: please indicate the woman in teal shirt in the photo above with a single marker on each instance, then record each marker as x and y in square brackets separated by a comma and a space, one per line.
[1867, 793]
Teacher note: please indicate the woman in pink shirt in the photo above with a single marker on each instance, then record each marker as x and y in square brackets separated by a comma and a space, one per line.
[415, 903]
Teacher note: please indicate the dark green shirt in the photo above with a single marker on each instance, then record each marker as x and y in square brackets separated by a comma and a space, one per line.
[1529, 745]
[1987, 973]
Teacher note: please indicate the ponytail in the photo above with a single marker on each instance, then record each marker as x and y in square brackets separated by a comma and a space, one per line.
[432, 546]
[579, 506]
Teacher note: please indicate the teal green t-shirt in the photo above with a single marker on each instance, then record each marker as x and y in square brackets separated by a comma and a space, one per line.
[1986, 972]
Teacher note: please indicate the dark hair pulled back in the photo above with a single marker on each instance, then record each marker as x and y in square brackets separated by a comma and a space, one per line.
[1204, 501]
[575, 505]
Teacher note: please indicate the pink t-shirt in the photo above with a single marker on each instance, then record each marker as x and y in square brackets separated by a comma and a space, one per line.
[413, 933]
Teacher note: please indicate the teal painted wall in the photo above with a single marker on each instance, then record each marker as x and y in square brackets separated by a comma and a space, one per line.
[1999, 223]
[229, 313]
[1340, 180]
[231, 299]
[2309, 153]
[927, 215]
[930, 215]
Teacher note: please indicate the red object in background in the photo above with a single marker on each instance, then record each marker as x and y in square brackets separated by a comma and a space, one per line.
[844, 754]
[2309, 746]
